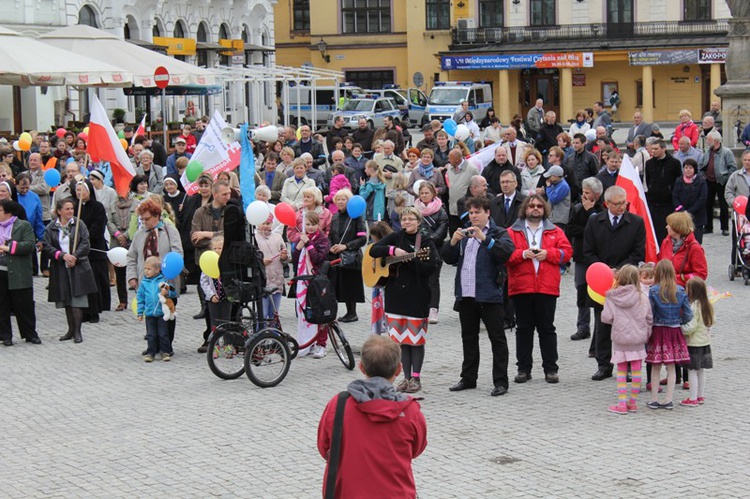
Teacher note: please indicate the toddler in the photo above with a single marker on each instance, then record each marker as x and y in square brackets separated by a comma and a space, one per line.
[219, 307]
[149, 306]
[698, 333]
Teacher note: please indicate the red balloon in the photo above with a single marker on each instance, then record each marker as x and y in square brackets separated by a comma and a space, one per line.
[83, 136]
[600, 278]
[740, 205]
[285, 214]
[60, 132]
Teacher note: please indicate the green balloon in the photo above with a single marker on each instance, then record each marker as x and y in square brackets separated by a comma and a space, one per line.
[194, 170]
[121, 134]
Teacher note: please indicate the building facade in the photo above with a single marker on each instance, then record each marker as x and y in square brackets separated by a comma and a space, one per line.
[571, 53]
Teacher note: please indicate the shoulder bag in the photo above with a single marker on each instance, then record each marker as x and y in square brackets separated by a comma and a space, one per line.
[334, 454]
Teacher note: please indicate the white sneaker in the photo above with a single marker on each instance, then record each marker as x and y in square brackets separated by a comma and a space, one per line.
[433, 316]
[319, 352]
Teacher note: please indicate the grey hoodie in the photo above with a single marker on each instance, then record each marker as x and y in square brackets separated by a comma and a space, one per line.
[365, 390]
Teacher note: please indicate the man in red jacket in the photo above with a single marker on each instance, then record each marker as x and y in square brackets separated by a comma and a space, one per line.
[534, 284]
[383, 430]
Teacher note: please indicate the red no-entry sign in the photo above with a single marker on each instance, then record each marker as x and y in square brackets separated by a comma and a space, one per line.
[161, 77]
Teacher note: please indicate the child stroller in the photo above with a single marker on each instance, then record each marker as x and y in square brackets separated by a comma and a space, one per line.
[740, 266]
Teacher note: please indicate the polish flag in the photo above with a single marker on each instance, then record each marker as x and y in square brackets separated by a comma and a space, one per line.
[141, 130]
[103, 145]
[629, 180]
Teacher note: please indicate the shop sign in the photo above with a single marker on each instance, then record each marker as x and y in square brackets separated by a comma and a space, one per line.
[519, 61]
[579, 80]
[658, 57]
[176, 46]
[712, 56]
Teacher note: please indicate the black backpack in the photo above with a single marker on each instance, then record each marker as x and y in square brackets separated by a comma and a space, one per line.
[321, 306]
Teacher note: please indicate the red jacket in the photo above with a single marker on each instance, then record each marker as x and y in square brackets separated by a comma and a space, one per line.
[190, 143]
[522, 278]
[689, 130]
[379, 440]
[696, 259]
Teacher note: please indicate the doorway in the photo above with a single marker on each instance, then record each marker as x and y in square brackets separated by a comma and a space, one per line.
[619, 18]
[540, 84]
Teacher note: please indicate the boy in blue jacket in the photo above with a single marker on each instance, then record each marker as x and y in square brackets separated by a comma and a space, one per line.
[150, 307]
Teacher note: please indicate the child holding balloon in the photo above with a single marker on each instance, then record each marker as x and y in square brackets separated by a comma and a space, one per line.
[219, 306]
[628, 309]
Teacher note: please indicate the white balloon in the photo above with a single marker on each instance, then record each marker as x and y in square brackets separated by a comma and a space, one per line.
[462, 132]
[416, 186]
[16, 146]
[257, 212]
[118, 256]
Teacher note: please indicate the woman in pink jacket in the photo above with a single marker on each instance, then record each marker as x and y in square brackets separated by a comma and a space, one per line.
[338, 182]
[687, 128]
[628, 309]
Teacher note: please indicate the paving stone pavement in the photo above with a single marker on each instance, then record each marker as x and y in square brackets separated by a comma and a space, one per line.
[93, 420]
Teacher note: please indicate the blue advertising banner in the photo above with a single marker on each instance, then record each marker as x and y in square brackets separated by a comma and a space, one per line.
[518, 61]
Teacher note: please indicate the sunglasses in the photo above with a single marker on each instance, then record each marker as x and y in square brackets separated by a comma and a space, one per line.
[536, 206]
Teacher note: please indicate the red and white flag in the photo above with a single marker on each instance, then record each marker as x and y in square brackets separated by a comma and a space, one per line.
[629, 180]
[141, 130]
[103, 145]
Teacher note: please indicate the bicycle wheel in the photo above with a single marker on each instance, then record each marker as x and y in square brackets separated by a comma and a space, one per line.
[267, 358]
[226, 352]
[341, 345]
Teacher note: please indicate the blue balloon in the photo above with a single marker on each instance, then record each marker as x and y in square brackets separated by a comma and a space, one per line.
[450, 126]
[69, 160]
[356, 206]
[52, 177]
[172, 265]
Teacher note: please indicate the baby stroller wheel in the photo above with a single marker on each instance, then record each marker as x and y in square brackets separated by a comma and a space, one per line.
[731, 272]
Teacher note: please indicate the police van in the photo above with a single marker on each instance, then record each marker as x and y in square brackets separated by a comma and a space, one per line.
[446, 98]
[411, 101]
[372, 109]
[327, 100]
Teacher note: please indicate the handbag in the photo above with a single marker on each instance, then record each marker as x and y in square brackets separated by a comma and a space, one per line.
[351, 259]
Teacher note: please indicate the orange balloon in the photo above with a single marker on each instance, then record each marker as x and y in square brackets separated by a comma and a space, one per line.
[24, 145]
[124, 144]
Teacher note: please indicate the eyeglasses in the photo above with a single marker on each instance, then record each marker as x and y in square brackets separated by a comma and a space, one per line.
[618, 203]
[536, 206]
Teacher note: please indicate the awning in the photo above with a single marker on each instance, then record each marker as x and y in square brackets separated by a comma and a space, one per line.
[249, 47]
[25, 61]
[209, 46]
[106, 47]
[148, 45]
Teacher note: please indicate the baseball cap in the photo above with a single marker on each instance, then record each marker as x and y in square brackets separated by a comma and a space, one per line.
[556, 170]
[180, 139]
[128, 129]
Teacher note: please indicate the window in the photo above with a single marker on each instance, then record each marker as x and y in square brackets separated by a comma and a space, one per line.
[491, 13]
[543, 13]
[438, 14]
[202, 36]
[301, 10]
[87, 16]
[696, 10]
[370, 79]
[179, 30]
[366, 16]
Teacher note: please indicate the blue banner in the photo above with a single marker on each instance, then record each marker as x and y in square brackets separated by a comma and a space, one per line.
[517, 61]
[247, 168]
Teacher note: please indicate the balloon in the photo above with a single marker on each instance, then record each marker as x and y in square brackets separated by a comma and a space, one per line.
[194, 170]
[462, 132]
[416, 186]
[86, 131]
[257, 212]
[450, 126]
[172, 265]
[121, 134]
[740, 205]
[83, 136]
[595, 296]
[286, 214]
[25, 136]
[209, 264]
[16, 146]
[134, 306]
[299, 133]
[60, 132]
[118, 256]
[590, 135]
[24, 145]
[356, 206]
[52, 178]
[124, 144]
[600, 277]
[69, 160]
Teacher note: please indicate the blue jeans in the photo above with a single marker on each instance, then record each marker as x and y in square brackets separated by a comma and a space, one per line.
[157, 336]
[271, 305]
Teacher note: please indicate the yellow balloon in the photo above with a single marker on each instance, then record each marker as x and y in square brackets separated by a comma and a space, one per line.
[299, 133]
[86, 130]
[25, 136]
[24, 145]
[595, 296]
[209, 264]
[134, 306]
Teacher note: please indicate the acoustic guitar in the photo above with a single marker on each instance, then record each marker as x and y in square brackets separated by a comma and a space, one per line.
[376, 271]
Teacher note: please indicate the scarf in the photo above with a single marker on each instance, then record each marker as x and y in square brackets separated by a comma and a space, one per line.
[426, 172]
[688, 180]
[580, 123]
[151, 246]
[676, 245]
[6, 228]
[430, 208]
[64, 238]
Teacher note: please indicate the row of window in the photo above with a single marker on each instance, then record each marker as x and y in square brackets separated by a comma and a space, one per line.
[374, 16]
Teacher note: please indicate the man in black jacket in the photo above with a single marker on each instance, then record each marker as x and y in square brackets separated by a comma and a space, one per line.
[615, 237]
[582, 162]
[497, 166]
[363, 136]
[662, 171]
[337, 130]
[480, 253]
[590, 205]
[308, 144]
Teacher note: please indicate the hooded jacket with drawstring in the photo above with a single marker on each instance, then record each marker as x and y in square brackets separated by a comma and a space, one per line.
[383, 430]
[628, 309]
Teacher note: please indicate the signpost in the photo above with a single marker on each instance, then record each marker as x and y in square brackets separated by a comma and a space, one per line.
[161, 78]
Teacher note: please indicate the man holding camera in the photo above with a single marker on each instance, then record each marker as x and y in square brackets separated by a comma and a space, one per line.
[534, 284]
[479, 253]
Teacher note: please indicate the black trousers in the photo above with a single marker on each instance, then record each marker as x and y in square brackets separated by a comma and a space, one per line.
[21, 302]
[470, 312]
[716, 189]
[535, 311]
[434, 282]
[602, 340]
[122, 284]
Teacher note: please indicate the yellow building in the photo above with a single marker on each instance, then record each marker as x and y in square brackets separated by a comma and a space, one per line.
[571, 53]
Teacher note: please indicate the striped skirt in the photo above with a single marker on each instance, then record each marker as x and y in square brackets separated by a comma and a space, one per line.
[406, 330]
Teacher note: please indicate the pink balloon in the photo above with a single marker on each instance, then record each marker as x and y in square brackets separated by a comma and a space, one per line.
[83, 136]
[600, 278]
[740, 205]
[60, 132]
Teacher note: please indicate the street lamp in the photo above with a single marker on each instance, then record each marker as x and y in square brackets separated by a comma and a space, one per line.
[323, 49]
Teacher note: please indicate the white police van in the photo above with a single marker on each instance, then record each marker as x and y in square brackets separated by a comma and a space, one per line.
[446, 98]
[327, 100]
[412, 102]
